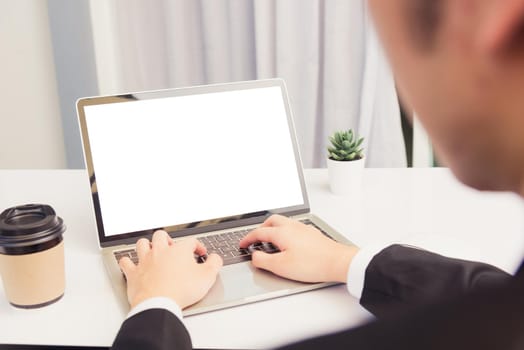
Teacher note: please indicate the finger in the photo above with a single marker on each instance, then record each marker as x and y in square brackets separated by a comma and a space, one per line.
[191, 245]
[142, 248]
[127, 266]
[214, 262]
[200, 249]
[265, 261]
[275, 220]
[160, 239]
[261, 234]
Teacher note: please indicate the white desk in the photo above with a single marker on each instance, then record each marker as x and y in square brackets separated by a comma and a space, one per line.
[419, 206]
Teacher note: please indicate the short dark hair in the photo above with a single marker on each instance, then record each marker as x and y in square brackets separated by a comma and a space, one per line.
[424, 17]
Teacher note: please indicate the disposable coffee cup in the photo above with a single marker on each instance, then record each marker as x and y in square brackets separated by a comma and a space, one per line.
[32, 255]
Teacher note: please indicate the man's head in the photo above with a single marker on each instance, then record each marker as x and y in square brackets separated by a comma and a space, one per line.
[460, 65]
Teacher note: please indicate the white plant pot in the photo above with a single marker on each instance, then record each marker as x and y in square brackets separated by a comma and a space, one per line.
[345, 177]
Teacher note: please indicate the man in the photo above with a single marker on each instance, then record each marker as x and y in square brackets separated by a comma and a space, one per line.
[460, 64]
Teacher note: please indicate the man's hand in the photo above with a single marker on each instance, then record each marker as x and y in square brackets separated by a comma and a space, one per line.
[306, 254]
[169, 269]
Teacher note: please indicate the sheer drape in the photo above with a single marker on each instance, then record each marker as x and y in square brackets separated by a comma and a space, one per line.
[326, 51]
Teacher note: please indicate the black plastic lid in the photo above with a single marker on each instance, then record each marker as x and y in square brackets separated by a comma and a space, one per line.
[29, 228]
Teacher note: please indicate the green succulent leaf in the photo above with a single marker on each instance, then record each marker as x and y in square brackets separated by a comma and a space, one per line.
[345, 146]
[334, 142]
[338, 139]
[335, 157]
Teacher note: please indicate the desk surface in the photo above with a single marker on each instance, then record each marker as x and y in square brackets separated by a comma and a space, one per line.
[425, 207]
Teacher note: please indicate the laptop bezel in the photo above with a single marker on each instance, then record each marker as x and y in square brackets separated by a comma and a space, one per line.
[195, 227]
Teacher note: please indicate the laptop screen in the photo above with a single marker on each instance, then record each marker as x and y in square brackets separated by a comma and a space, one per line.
[191, 160]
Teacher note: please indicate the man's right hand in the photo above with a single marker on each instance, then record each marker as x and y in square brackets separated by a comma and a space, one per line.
[305, 253]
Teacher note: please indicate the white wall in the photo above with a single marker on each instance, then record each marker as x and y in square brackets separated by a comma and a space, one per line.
[422, 148]
[30, 126]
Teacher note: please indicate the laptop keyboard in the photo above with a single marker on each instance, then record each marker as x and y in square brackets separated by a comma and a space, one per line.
[225, 245]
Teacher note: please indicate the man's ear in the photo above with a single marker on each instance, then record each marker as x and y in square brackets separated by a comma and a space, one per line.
[501, 25]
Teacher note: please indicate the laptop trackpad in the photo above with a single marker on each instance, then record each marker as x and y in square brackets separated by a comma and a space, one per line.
[243, 283]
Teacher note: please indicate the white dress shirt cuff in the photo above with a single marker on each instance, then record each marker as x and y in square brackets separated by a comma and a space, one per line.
[157, 303]
[358, 266]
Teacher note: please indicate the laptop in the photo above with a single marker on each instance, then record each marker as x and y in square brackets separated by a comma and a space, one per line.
[212, 162]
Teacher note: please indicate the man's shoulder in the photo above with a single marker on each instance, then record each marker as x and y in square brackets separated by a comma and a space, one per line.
[153, 329]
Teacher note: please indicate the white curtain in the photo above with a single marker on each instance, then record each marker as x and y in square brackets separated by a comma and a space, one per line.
[326, 51]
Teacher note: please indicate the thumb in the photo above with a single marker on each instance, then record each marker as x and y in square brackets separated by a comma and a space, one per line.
[213, 263]
[265, 261]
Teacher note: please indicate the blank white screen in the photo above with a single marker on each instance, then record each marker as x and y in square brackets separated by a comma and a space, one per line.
[177, 160]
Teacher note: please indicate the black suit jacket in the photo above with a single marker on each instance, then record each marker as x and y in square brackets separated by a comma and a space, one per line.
[422, 301]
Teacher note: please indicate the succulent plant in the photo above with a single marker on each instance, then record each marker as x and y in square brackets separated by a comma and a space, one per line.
[345, 146]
